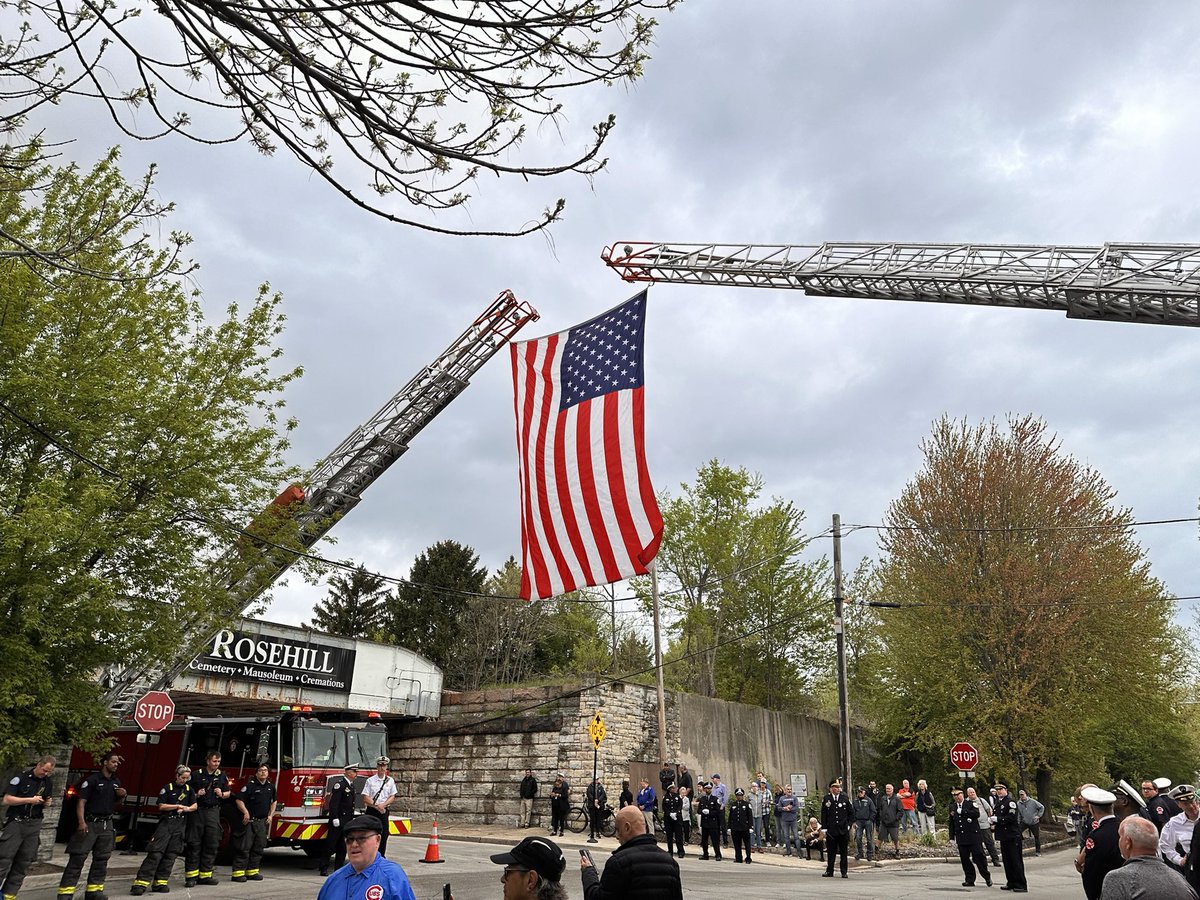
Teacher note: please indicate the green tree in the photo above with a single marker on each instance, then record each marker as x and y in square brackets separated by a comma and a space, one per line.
[728, 568]
[355, 605]
[386, 101]
[1021, 585]
[425, 615]
[134, 439]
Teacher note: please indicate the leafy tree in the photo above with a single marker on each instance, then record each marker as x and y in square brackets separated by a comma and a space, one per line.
[1021, 584]
[355, 605]
[728, 568]
[415, 98]
[425, 615]
[134, 439]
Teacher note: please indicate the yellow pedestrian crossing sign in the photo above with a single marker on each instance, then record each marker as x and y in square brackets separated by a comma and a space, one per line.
[596, 730]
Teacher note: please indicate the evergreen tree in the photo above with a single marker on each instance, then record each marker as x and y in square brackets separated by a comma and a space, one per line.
[425, 615]
[354, 607]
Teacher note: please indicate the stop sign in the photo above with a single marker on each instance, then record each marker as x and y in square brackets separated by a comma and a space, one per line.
[964, 756]
[154, 711]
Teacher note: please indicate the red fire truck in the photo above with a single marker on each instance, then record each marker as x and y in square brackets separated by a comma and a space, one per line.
[303, 751]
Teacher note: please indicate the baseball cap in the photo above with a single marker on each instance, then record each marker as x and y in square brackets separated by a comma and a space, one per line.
[540, 854]
[364, 823]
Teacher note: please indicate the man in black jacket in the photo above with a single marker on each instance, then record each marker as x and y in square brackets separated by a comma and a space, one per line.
[672, 808]
[529, 788]
[596, 798]
[740, 823]
[637, 870]
[708, 808]
[1008, 833]
[964, 830]
[837, 812]
[339, 807]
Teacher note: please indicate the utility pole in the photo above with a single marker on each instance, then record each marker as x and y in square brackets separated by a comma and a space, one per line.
[658, 667]
[839, 629]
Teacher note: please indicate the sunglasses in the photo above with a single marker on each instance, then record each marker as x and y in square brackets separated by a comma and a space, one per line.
[359, 838]
[508, 870]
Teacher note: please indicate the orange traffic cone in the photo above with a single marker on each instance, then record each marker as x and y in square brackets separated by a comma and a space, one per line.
[431, 852]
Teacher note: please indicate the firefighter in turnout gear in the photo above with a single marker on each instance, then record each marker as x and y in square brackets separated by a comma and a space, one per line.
[176, 801]
[204, 828]
[256, 802]
[339, 806]
[27, 795]
[97, 795]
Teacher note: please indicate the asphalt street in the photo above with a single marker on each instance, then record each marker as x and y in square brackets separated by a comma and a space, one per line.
[472, 876]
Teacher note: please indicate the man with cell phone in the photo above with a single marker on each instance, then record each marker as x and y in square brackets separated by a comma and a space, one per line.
[637, 870]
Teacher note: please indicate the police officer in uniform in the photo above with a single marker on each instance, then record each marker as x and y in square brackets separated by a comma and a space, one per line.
[176, 801]
[1101, 851]
[709, 810]
[1007, 823]
[965, 832]
[672, 809]
[204, 828]
[740, 823]
[97, 795]
[27, 795]
[256, 803]
[837, 813]
[339, 806]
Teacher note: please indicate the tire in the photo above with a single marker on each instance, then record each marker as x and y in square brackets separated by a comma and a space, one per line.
[609, 826]
[577, 820]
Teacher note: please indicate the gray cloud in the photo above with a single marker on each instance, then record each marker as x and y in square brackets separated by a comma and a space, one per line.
[778, 122]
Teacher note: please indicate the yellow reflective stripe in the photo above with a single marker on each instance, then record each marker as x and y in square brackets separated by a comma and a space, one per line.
[93, 888]
[192, 873]
[66, 891]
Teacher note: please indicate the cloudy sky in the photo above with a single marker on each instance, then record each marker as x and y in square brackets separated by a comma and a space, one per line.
[773, 122]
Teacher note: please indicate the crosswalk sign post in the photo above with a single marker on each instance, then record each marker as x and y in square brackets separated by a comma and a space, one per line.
[596, 731]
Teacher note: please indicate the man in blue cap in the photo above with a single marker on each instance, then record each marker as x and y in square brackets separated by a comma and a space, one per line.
[366, 875]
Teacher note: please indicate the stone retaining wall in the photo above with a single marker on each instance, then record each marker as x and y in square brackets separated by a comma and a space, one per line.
[467, 765]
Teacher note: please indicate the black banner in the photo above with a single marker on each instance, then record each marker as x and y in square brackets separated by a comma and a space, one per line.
[276, 660]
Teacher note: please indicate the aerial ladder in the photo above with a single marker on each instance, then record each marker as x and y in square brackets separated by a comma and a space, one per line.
[1151, 283]
[301, 516]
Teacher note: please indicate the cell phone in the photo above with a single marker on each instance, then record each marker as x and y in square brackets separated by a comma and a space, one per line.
[585, 854]
[446, 891]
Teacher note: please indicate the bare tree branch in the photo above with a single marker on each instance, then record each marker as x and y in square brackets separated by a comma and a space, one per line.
[419, 96]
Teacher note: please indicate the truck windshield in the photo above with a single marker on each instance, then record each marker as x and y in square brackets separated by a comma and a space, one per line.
[334, 747]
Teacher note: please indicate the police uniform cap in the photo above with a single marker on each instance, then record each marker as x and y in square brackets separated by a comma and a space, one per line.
[861, 789]
[739, 793]
[350, 768]
[999, 785]
[364, 823]
[384, 760]
[1098, 796]
[1162, 783]
[540, 854]
[1184, 792]
[1125, 789]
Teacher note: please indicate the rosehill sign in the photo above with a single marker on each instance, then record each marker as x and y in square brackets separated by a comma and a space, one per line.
[276, 660]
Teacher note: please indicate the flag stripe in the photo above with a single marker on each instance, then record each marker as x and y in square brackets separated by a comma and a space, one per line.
[588, 512]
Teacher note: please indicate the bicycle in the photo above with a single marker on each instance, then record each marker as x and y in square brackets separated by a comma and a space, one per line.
[578, 821]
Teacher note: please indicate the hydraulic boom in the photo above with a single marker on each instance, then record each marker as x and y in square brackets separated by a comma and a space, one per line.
[336, 486]
[1154, 283]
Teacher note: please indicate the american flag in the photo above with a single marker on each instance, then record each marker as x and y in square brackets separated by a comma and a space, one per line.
[588, 513]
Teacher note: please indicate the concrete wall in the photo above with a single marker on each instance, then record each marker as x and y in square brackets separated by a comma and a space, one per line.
[468, 764]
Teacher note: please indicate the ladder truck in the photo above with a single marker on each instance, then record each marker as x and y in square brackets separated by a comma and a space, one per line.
[294, 522]
[1148, 283]
[1116, 282]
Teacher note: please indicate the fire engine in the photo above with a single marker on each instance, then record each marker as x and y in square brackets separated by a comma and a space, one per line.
[303, 750]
